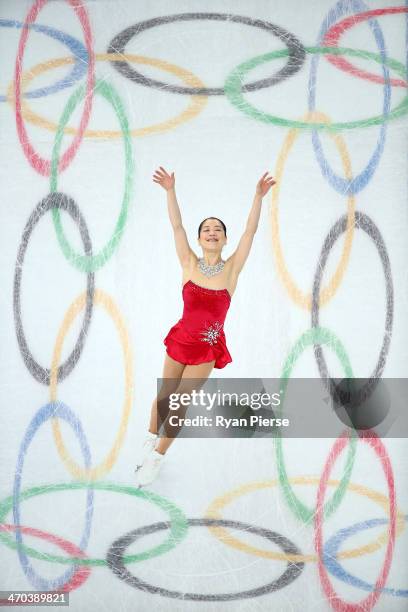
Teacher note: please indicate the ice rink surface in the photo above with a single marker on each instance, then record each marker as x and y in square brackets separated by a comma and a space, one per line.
[94, 96]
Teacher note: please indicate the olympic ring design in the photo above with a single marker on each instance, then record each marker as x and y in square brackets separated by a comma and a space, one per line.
[50, 411]
[217, 505]
[178, 521]
[333, 34]
[102, 298]
[330, 554]
[234, 93]
[305, 300]
[53, 200]
[39, 164]
[323, 336]
[195, 107]
[336, 602]
[295, 52]
[92, 262]
[359, 182]
[116, 551]
[80, 575]
[356, 396]
[80, 58]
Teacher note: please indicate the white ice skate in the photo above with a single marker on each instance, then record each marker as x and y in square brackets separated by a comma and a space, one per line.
[150, 468]
[148, 446]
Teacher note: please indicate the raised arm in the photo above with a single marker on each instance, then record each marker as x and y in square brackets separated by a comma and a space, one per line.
[239, 257]
[167, 181]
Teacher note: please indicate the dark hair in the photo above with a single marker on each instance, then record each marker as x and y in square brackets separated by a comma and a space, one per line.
[206, 219]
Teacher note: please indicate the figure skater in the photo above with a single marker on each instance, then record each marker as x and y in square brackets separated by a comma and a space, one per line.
[196, 343]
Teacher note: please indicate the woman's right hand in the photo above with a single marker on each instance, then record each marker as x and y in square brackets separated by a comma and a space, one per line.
[167, 181]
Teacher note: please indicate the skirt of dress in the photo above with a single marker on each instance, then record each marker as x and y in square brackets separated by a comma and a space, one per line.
[186, 348]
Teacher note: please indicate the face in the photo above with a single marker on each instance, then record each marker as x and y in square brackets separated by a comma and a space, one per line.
[212, 235]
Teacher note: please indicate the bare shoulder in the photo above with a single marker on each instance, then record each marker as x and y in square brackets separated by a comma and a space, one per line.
[190, 265]
[231, 275]
[229, 261]
[230, 270]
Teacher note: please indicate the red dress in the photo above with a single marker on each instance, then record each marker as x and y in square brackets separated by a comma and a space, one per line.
[199, 335]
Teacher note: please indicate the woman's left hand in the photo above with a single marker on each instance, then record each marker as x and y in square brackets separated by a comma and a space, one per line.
[264, 184]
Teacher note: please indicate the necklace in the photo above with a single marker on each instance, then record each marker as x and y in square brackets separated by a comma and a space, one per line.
[210, 270]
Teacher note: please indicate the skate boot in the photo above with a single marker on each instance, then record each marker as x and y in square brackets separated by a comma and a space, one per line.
[150, 468]
[148, 446]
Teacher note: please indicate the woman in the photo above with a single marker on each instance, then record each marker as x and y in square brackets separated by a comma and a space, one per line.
[196, 343]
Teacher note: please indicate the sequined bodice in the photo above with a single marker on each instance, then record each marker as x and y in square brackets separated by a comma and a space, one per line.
[205, 311]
